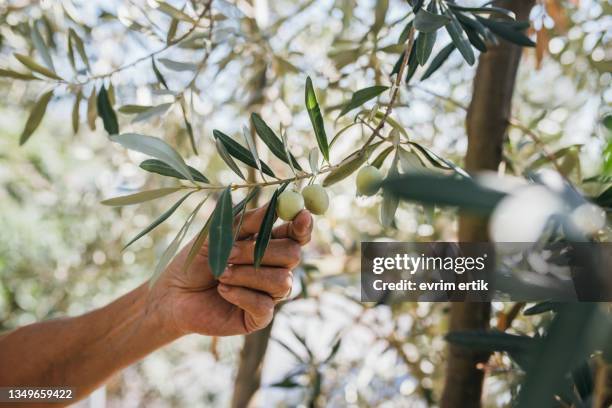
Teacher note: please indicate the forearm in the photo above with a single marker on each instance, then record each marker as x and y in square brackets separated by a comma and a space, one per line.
[82, 352]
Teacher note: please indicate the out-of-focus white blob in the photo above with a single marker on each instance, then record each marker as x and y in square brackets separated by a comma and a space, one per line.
[552, 180]
[588, 218]
[521, 217]
[504, 184]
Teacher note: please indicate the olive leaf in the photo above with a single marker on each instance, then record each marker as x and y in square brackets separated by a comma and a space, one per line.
[225, 156]
[438, 60]
[221, 234]
[380, 159]
[508, 31]
[237, 151]
[171, 250]
[459, 37]
[75, 111]
[9, 73]
[156, 148]
[92, 110]
[174, 12]
[362, 96]
[106, 112]
[425, 46]
[268, 136]
[141, 196]
[159, 167]
[428, 22]
[158, 75]
[248, 139]
[178, 66]
[313, 160]
[134, 109]
[36, 115]
[312, 106]
[159, 220]
[484, 10]
[349, 165]
[286, 147]
[152, 112]
[40, 46]
[444, 190]
[390, 201]
[265, 231]
[380, 12]
[36, 67]
[75, 41]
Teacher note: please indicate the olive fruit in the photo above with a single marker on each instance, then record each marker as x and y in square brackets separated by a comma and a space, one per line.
[368, 180]
[289, 204]
[316, 199]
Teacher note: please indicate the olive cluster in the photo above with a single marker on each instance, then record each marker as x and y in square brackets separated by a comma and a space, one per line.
[315, 198]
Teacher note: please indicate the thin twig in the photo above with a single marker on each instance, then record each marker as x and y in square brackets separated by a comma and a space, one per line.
[396, 87]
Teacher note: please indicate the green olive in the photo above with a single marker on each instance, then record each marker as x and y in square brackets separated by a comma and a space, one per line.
[289, 204]
[316, 199]
[368, 180]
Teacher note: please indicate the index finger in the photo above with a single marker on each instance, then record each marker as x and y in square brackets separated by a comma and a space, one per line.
[298, 230]
[251, 222]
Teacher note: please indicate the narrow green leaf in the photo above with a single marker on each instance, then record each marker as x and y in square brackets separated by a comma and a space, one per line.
[134, 109]
[159, 220]
[153, 111]
[36, 115]
[286, 147]
[172, 30]
[197, 244]
[156, 148]
[221, 234]
[36, 67]
[425, 47]
[491, 340]
[313, 160]
[159, 167]
[265, 231]
[460, 39]
[171, 250]
[507, 31]
[92, 110]
[444, 190]
[225, 156]
[380, 12]
[248, 139]
[9, 73]
[178, 66]
[141, 196]
[316, 118]
[411, 162]
[158, 75]
[75, 111]
[106, 112]
[380, 159]
[268, 136]
[484, 10]
[542, 307]
[236, 150]
[428, 22]
[438, 60]
[41, 46]
[174, 12]
[362, 96]
[390, 201]
[80, 47]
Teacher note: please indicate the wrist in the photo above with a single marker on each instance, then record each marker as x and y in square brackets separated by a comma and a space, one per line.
[157, 319]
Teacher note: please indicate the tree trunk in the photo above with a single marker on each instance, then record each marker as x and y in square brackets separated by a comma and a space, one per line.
[486, 123]
[248, 378]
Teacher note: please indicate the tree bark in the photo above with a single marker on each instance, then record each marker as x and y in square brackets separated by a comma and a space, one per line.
[486, 123]
[248, 378]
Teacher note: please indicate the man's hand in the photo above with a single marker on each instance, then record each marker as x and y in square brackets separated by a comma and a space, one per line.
[243, 299]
